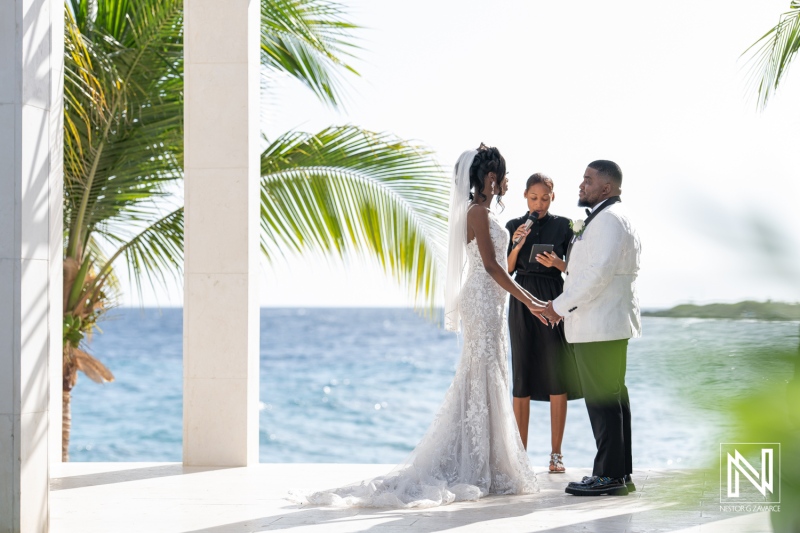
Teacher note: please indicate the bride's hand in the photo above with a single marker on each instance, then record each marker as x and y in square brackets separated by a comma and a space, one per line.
[537, 311]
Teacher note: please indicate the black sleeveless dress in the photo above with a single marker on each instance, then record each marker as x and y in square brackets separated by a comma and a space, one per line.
[542, 361]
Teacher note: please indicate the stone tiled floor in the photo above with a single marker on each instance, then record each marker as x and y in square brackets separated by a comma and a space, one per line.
[165, 497]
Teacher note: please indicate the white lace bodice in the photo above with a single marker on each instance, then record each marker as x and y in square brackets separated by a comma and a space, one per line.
[475, 267]
[473, 447]
[500, 238]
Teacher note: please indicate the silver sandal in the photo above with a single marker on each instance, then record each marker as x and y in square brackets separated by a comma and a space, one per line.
[556, 461]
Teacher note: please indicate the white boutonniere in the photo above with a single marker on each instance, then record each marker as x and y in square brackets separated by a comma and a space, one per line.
[578, 227]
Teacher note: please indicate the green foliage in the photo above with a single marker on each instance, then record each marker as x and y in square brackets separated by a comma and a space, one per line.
[773, 53]
[72, 330]
[773, 415]
[760, 403]
[347, 189]
[123, 128]
[308, 40]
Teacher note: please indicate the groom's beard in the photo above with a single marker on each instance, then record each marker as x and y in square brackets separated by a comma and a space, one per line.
[588, 202]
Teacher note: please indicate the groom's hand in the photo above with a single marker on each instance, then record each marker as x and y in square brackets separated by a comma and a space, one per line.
[550, 314]
[537, 311]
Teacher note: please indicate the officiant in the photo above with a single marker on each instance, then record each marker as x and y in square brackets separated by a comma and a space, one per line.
[543, 364]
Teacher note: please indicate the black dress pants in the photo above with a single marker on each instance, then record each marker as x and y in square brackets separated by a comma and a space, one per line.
[601, 370]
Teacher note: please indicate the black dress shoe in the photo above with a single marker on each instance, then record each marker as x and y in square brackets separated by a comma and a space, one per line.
[584, 481]
[599, 486]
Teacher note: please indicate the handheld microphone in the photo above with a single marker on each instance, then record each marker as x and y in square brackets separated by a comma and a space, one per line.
[528, 223]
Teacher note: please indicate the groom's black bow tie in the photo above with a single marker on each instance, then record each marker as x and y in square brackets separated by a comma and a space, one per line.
[588, 211]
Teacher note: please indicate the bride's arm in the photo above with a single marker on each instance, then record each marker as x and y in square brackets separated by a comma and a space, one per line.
[478, 222]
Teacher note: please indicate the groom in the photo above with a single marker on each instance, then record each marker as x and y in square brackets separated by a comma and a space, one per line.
[601, 312]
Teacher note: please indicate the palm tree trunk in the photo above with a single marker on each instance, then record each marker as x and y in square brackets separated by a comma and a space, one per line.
[66, 424]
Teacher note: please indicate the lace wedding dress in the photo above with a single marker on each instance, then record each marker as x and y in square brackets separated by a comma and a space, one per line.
[473, 447]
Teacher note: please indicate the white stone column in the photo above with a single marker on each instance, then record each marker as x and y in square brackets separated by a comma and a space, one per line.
[31, 77]
[56, 243]
[221, 162]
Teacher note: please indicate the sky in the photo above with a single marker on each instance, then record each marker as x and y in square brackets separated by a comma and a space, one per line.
[709, 182]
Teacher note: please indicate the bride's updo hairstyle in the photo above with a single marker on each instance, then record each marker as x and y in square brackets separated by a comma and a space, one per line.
[487, 160]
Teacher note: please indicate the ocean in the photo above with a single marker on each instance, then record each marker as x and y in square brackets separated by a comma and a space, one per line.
[351, 385]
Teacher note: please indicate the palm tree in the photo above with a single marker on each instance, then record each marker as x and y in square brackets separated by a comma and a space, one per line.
[773, 53]
[122, 147]
[340, 191]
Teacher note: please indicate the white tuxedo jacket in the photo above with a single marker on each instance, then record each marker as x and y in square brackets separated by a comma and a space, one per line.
[599, 301]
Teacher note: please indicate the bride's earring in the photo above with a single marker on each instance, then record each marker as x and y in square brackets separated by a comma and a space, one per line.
[493, 191]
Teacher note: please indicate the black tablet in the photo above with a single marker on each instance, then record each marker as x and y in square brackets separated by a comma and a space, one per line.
[539, 249]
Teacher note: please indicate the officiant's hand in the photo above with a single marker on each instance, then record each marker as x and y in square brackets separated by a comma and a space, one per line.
[549, 259]
[520, 234]
[551, 315]
[537, 311]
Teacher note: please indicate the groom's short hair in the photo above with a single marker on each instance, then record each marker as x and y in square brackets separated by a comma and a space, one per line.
[609, 169]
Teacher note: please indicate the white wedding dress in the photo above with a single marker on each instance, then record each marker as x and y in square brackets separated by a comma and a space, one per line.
[473, 447]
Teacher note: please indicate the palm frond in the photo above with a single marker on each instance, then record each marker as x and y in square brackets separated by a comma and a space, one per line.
[94, 369]
[308, 40]
[347, 190]
[80, 12]
[152, 255]
[121, 156]
[773, 53]
[110, 281]
[112, 17]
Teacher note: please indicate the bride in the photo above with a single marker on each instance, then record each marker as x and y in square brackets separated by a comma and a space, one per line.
[473, 447]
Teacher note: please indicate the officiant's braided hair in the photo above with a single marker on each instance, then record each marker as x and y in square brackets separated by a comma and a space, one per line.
[487, 160]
